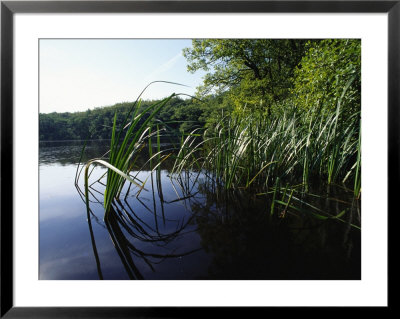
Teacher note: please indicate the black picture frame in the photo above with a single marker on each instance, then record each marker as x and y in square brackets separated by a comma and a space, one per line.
[9, 8]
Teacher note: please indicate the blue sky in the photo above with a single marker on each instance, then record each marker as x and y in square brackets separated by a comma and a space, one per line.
[80, 74]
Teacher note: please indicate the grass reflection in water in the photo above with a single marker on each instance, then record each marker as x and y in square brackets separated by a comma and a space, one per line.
[236, 229]
[158, 234]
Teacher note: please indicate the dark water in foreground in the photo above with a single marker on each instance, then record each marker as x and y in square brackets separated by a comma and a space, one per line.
[185, 229]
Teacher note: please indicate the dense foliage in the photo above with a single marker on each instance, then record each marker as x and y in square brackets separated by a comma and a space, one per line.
[330, 67]
[257, 73]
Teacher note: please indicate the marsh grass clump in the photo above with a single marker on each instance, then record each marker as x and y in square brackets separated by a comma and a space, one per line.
[294, 146]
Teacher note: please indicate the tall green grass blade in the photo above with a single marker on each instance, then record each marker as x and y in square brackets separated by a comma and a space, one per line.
[274, 196]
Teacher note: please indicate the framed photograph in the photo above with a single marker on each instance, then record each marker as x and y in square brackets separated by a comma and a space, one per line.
[160, 158]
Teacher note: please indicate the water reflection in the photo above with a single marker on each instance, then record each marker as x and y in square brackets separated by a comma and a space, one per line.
[69, 152]
[153, 229]
[241, 238]
[184, 227]
[126, 227]
[66, 153]
[248, 243]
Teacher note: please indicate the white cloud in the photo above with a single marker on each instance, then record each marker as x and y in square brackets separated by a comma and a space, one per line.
[164, 67]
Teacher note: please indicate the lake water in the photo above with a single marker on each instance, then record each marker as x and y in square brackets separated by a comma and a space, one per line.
[183, 228]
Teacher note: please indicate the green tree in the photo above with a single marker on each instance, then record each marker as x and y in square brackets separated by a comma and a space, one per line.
[256, 72]
[329, 69]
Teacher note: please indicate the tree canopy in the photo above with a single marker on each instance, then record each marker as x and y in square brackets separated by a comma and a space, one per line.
[330, 68]
[256, 72]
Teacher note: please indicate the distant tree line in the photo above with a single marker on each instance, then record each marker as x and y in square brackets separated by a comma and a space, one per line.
[179, 115]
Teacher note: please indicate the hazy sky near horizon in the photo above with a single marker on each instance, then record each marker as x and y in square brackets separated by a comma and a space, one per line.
[80, 74]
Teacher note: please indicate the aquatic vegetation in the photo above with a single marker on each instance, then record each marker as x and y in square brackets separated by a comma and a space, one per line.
[244, 150]
[293, 146]
[126, 142]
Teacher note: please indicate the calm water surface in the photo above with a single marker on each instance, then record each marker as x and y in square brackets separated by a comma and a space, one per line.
[182, 228]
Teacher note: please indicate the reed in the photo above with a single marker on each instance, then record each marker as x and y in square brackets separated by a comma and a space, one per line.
[246, 150]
